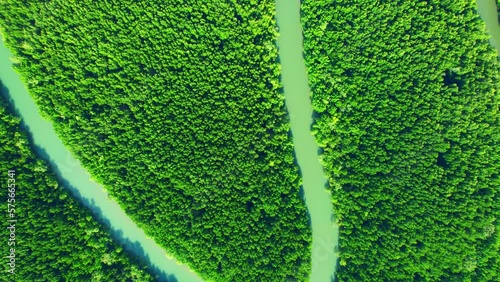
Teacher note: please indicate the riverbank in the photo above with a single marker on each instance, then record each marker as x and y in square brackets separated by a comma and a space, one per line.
[487, 10]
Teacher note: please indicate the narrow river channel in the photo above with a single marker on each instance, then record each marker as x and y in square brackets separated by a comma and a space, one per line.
[487, 9]
[71, 172]
[298, 103]
[297, 98]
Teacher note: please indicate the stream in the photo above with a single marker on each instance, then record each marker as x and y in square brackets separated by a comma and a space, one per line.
[69, 171]
[297, 99]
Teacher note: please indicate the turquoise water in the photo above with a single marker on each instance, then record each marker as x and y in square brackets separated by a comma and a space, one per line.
[72, 173]
[298, 103]
[297, 98]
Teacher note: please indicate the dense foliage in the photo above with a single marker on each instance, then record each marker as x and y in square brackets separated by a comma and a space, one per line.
[498, 10]
[175, 106]
[55, 238]
[407, 101]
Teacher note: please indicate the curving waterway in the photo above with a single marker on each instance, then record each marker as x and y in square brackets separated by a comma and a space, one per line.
[73, 175]
[297, 99]
[298, 103]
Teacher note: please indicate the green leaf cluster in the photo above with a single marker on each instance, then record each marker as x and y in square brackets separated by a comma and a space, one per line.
[407, 101]
[56, 237]
[175, 106]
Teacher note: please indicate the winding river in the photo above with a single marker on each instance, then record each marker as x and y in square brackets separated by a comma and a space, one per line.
[74, 176]
[298, 103]
[297, 98]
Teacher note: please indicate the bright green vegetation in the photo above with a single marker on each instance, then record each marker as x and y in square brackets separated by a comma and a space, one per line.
[56, 237]
[176, 108]
[407, 102]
